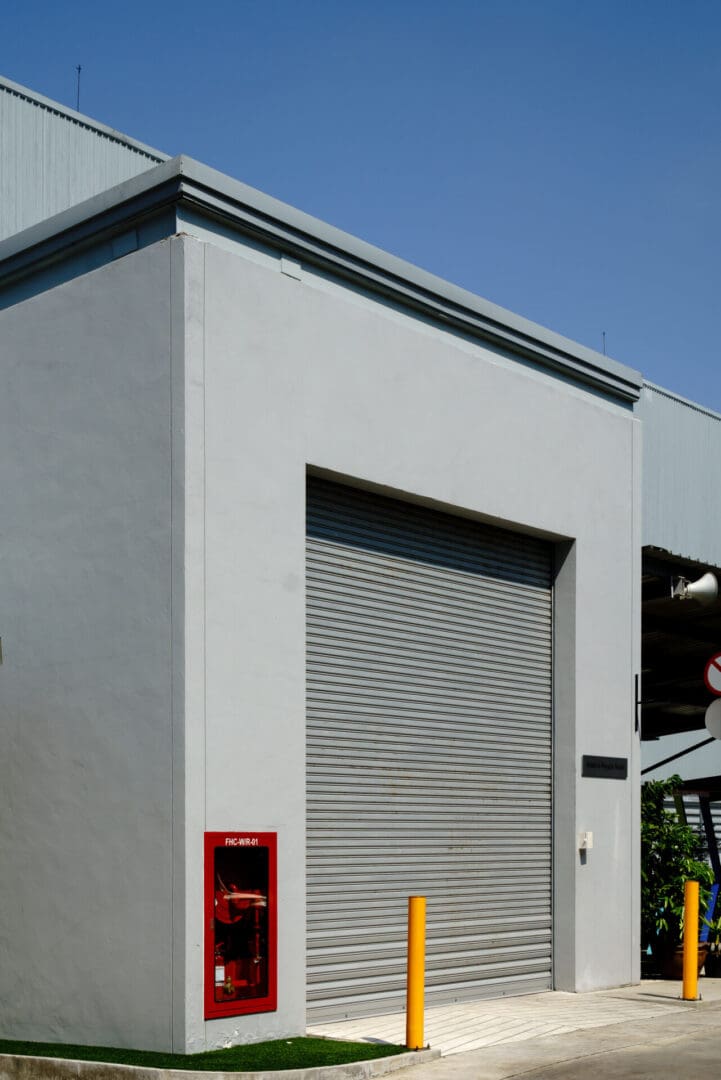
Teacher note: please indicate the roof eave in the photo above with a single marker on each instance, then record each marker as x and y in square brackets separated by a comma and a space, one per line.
[184, 183]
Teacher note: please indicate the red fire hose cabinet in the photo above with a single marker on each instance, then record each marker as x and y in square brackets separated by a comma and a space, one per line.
[240, 923]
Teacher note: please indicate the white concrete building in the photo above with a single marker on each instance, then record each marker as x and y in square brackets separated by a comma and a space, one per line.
[300, 540]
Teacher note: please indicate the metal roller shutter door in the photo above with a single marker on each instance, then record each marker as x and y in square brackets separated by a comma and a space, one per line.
[429, 753]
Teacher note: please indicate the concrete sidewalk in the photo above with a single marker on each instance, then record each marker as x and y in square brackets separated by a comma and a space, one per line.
[642, 1031]
[683, 1046]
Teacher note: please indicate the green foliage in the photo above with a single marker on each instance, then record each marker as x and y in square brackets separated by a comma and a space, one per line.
[670, 856]
[297, 1053]
[714, 929]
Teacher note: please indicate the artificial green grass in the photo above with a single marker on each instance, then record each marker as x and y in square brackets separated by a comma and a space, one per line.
[300, 1053]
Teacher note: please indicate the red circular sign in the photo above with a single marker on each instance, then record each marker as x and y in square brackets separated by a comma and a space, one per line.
[712, 674]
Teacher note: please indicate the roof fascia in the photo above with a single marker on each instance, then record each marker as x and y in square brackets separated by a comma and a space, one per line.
[186, 183]
[272, 222]
[111, 212]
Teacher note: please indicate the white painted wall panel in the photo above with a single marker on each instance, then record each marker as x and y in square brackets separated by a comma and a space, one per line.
[86, 843]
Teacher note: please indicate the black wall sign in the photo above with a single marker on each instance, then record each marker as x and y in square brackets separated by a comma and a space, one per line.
[605, 768]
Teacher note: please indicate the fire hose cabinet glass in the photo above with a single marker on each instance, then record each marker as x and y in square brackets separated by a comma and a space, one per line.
[240, 923]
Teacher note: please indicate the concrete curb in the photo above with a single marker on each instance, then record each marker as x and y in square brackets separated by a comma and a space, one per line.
[23, 1067]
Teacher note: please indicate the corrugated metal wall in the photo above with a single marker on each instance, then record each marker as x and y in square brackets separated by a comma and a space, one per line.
[51, 159]
[429, 752]
[681, 476]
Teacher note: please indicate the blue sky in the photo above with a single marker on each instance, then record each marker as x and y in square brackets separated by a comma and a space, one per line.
[560, 158]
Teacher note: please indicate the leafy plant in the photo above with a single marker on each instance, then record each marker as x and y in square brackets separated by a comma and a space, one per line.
[714, 932]
[670, 855]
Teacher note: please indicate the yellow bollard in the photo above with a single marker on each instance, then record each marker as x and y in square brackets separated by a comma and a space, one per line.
[690, 941]
[416, 971]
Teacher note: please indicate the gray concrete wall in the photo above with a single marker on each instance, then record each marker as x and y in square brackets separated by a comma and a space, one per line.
[298, 371]
[682, 476]
[86, 844]
[159, 416]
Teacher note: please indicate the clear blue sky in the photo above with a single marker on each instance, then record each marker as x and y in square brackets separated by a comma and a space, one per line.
[559, 157]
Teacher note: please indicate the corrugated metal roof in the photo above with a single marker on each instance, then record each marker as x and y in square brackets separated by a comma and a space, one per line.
[681, 476]
[52, 158]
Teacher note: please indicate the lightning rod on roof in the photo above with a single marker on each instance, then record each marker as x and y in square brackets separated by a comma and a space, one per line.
[77, 89]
